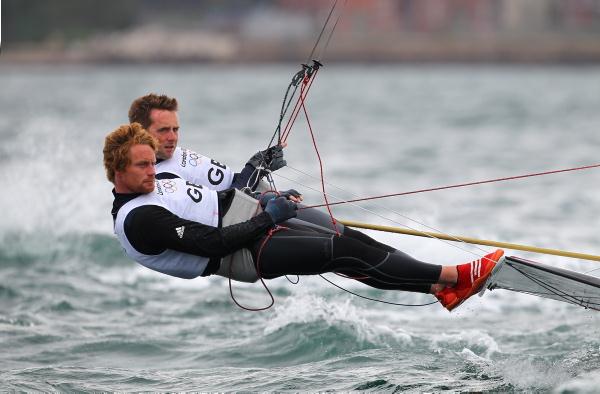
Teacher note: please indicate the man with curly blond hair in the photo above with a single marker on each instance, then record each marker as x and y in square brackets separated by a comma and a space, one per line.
[185, 230]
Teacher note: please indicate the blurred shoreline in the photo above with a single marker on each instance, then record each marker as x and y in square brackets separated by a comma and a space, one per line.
[174, 47]
[272, 31]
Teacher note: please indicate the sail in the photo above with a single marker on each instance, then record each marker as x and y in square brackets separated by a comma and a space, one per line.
[525, 276]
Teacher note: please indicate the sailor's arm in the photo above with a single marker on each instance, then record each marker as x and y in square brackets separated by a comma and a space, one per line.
[151, 229]
[259, 165]
[245, 178]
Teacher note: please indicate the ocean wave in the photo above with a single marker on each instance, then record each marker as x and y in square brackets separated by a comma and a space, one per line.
[8, 292]
[526, 372]
[22, 249]
[66, 378]
[308, 328]
[586, 383]
[467, 342]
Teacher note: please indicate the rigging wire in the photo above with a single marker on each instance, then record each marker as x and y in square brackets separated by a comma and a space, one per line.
[374, 299]
[324, 49]
[305, 70]
[305, 77]
[483, 251]
[307, 82]
[310, 56]
[509, 178]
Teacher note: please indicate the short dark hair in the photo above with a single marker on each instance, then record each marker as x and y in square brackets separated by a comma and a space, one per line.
[140, 108]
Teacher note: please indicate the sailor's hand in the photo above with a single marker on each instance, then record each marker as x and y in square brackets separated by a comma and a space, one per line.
[292, 195]
[281, 209]
[270, 159]
[265, 197]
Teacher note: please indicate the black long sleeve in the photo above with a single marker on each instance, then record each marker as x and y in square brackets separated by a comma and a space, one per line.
[151, 229]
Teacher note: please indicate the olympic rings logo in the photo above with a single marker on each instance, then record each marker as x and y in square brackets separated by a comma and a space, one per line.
[193, 158]
[169, 185]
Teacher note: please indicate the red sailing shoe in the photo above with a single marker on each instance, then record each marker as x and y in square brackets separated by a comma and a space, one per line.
[446, 297]
[471, 278]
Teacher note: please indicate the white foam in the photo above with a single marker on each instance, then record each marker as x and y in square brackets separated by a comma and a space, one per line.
[528, 374]
[470, 342]
[308, 308]
[585, 383]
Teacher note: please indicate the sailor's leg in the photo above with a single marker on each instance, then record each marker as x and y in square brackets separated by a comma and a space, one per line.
[301, 252]
[318, 218]
[321, 219]
[390, 285]
[385, 270]
[352, 233]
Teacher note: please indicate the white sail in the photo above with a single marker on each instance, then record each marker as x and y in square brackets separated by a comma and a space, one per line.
[525, 276]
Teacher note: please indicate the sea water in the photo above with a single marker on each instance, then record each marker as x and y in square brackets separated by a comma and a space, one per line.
[77, 315]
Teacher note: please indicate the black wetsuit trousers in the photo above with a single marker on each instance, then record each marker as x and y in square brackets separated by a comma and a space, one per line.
[299, 249]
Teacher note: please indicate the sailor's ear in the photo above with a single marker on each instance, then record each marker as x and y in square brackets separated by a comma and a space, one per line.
[118, 175]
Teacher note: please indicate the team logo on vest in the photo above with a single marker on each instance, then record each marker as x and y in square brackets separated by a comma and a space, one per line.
[183, 157]
[158, 189]
[169, 186]
[194, 159]
[180, 231]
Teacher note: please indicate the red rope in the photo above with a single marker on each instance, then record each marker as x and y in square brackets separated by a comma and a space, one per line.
[312, 136]
[264, 242]
[304, 89]
[454, 186]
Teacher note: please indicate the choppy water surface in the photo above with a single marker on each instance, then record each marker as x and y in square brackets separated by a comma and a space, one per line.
[75, 314]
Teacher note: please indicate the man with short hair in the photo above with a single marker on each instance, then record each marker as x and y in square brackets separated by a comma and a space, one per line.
[158, 115]
[185, 230]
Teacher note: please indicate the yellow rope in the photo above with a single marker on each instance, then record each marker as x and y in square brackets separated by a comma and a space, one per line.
[504, 245]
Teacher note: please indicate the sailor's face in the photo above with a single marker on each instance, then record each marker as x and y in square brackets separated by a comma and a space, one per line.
[138, 176]
[164, 126]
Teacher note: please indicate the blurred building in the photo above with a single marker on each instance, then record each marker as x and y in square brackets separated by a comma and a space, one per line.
[286, 30]
[435, 16]
[462, 30]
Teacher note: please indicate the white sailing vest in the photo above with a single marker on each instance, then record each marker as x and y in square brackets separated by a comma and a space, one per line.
[186, 200]
[197, 169]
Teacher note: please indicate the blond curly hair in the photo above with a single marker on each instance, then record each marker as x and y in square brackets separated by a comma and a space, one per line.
[118, 143]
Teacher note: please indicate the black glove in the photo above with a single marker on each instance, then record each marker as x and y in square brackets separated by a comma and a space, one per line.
[280, 209]
[291, 192]
[265, 197]
[271, 159]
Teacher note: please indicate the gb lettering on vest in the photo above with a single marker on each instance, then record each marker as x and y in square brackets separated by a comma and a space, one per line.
[216, 175]
[194, 191]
